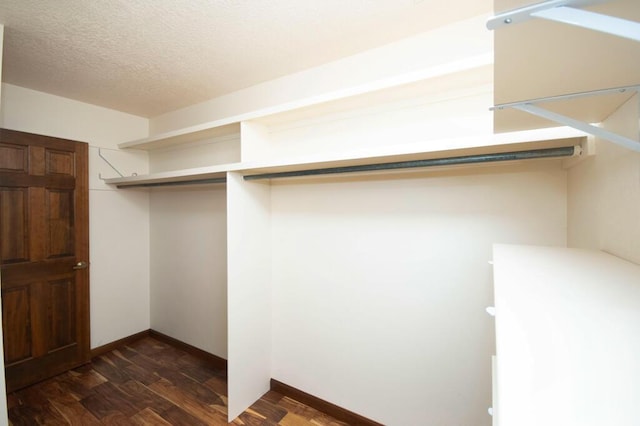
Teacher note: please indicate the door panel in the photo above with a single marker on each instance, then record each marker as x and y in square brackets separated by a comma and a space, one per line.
[59, 205]
[13, 158]
[16, 311]
[13, 225]
[62, 329]
[44, 234]
[59, 163]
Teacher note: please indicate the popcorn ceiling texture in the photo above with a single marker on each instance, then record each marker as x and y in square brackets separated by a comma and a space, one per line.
[148, 57]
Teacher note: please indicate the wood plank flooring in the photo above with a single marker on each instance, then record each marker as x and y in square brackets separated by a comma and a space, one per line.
[149, 382]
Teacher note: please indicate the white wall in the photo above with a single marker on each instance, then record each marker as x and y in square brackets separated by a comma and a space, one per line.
[119, 220]
[3, 402]
[380, 285]
[45, 114]
[208, 152]
[604, 192]
[404, 117]
[189, 265]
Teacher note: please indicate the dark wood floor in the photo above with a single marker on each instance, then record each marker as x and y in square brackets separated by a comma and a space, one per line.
[148, 383]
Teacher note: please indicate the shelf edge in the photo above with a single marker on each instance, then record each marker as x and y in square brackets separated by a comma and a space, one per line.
[493, 142]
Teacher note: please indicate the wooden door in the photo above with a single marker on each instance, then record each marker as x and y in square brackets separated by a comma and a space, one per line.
[44, 253]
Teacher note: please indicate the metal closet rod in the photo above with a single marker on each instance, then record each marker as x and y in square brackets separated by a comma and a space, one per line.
[179, 183]
[566, 151]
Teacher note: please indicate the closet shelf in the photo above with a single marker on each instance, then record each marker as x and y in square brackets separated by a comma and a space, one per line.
[433, 149]
[436, 75]
[198, 132]
[183, 176]
[428, 150]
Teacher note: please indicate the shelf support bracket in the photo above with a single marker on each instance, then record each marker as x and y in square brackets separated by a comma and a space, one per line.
[569, 12]
[109, 163]
[531, 108]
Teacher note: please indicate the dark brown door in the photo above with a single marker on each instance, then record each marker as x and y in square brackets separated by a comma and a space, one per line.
[44, 253]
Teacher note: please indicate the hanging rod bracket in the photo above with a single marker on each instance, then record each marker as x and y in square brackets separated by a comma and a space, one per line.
[569, 12]
[531, 108]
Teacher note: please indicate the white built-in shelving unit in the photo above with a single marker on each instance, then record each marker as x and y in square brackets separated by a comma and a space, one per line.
[567, 336]
[441, 112]
[441, 148]
[572, 62]
[336, 130]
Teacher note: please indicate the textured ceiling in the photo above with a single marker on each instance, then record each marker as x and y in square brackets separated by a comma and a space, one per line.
[147, 57]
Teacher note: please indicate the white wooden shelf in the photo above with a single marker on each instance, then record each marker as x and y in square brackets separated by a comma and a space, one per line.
[567, 337]
[431, 149]
[436, 76]
[211, 129]
[175, 176]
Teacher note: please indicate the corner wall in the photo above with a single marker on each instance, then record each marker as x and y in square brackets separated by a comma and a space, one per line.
[189, 265]
[118, 220]
[604, 192]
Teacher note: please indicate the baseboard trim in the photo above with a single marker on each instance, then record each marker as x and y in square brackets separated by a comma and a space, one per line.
[101, 350]
[333, 410]
[214, 360]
